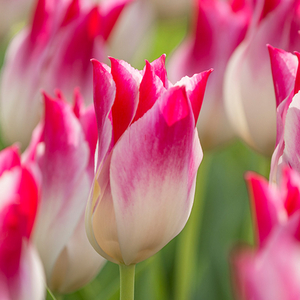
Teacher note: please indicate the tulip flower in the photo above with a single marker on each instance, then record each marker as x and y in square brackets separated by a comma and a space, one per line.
[273, 205]
[249, 93]
[62, 148]
[272, 272]
[217, 30]
[286, 82]
[148, 156]
[53, 52]
[21, 272]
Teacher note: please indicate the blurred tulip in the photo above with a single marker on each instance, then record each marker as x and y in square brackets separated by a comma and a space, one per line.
[273, 205]
[272, 272]
[218, 29]
[287, 84]
[53, 52]
[63, 147]
[148, 157]
[21, 272]
[249, 93]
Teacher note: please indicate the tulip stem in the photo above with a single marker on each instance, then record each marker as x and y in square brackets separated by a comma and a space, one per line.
[127, 282]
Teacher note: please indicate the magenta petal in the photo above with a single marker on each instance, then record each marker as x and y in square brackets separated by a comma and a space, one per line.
[127, 81]
[267, 206]
[284, 67]
[195, 88]
[291, 184]
[40, 21]
[62, 157]
[175, 106]
[159, 68]
[104, 97]
[72, 12]
[151, 88]
[297, 81]
[151, 168]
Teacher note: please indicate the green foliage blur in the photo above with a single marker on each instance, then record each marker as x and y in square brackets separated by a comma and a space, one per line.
[195, 265]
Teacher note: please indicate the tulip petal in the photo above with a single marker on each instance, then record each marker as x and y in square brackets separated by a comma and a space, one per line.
[150, 176]
[284, 67]
[31, 281]
[100, 216]
[268, 209]
[159, 68]
[64, 188]
[71, 271]
[104, 96]
[151, 88]
[195, 88]
[127, 81]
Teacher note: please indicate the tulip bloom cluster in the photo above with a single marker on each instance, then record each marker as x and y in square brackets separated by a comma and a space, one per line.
[118, 178]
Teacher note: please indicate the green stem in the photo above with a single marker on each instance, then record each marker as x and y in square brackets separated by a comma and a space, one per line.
[127, 282]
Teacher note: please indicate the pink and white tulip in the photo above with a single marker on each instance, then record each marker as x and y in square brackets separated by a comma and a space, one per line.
[21, 272]
[63, 147]
[217, 29]
[249, 93]
[148, 156]
[287, 84]
[272, 271]
[53, 52]
[273, 205]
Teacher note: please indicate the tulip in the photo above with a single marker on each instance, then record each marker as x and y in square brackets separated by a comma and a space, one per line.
[147, 161]
[62, 148]
[21, 272]
[53, 52]
[286, 82]
[148, 156]
[217, 30]
[273, 205]
[272, 272]
[249, 93]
